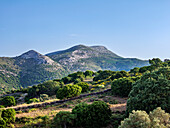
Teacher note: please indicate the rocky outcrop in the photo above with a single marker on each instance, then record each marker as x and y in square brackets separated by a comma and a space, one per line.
[39, 58]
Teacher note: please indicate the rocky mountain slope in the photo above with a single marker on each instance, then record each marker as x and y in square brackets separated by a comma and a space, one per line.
[28, 69]
[32, 67]
[94, 58]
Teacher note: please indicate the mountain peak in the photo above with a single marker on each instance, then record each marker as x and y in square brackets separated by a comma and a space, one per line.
[39, 58]
[30, 54]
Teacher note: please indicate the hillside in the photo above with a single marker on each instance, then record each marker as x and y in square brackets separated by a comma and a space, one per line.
[94, 58]
[27, 69]
[32, 67]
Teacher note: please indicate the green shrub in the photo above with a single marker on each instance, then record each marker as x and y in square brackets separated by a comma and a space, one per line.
[78, 80]
[68, 91]
[8, 101]
[95, 115]
[33, 100]
[150, 92]
[49, 87]
[8, 115]
[64, 119]
[81, 111]
[1, 106]
[84, 86]
[44, 97]
[122, 86]
[140, 119]
[89, 73]
[2, 123]
[98, 114]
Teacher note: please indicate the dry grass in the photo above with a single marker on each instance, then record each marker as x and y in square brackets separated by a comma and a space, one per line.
[24, 105]
[50, 112]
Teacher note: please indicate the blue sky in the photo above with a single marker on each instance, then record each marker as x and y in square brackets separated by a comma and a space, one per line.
[130, 28]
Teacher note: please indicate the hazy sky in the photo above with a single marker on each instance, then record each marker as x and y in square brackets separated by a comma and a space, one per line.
[130, 28]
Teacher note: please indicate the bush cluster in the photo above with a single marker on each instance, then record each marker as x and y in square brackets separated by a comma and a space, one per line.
[7, 116]
[151, 91]
[68, 91]
[8, 101]
[140, 119]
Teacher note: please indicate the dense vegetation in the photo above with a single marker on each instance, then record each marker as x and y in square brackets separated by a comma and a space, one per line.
[146, 88]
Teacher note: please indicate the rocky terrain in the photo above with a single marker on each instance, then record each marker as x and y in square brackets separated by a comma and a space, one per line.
[32, 67]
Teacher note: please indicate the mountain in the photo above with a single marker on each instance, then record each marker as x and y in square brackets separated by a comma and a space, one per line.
[28, 69]
[32, 67]
[94, 58]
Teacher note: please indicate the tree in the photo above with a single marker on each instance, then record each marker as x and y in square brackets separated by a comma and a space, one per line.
[137, 119]
[68, 91]
[43, 97]
[89, 73]
[64, 119]
[8, 115]
[150, 92]
[134, 70]
[49, 87]
[84, 86]
[95, 115]
[122, 86]
[80, 111]
[140, 119]
[8, 101]
[99, 114]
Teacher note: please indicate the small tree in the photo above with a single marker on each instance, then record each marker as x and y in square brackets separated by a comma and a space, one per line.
[64, 119]
[89, 73]
[150, 92]
[80, 111]
[68, 91]
[137, 119]
[84, 86]
[9, 115]
[98, 114]
[140, 119]
[8, 101]
[43, 97]
[122, 86]
[2, 123]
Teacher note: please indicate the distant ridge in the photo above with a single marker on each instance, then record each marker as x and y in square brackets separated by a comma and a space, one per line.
[32, 67]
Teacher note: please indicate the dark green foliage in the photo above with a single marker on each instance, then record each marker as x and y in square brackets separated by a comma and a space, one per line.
[8, 115]
[122, 86]
[89, 73]
[66, 80]
[103, 75]
[1, 106]
[78, 80]
[2, 123]
[119, 74]
[68, 91]
[80, 111]
[49, 87]
[144, 69]
[84, 86]
[151, 91]
[64, 119]
[116, 120]
[98, 114]
[134, 70]
[95, 115]
[43, 97]
[8, 101]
